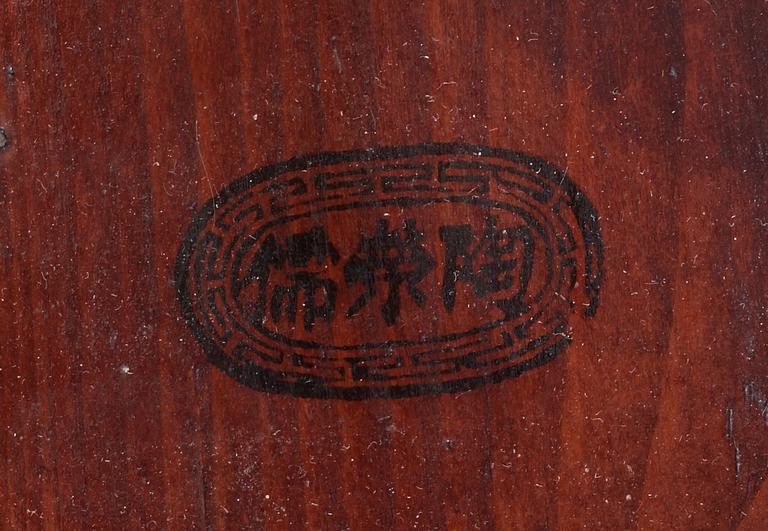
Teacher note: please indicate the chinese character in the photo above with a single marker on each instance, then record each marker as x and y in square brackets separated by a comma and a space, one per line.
[396, 257]
[318, 295]
[501, 259]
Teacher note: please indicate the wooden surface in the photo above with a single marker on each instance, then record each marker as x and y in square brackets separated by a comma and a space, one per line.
[123, 118]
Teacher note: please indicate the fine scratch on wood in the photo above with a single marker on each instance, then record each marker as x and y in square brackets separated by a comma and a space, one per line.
[753, 395]
[205, 171]
[337, 59]
[730, 437]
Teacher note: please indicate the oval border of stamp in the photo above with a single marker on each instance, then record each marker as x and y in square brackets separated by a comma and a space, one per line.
[265, 379]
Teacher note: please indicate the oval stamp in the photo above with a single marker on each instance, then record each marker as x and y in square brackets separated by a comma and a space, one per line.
[390, 272]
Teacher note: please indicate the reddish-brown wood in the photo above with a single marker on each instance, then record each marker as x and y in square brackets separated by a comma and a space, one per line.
[122, 119]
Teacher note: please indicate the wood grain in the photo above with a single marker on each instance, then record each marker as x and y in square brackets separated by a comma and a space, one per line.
[123, 118]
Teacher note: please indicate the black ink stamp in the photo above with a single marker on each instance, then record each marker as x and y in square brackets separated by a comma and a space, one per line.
[390, 272]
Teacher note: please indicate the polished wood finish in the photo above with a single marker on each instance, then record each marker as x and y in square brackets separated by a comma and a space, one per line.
[122, 118]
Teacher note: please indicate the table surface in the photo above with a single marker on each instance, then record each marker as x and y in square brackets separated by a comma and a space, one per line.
[120, 120]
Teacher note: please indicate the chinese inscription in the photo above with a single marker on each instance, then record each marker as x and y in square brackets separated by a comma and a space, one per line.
[392, 262]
